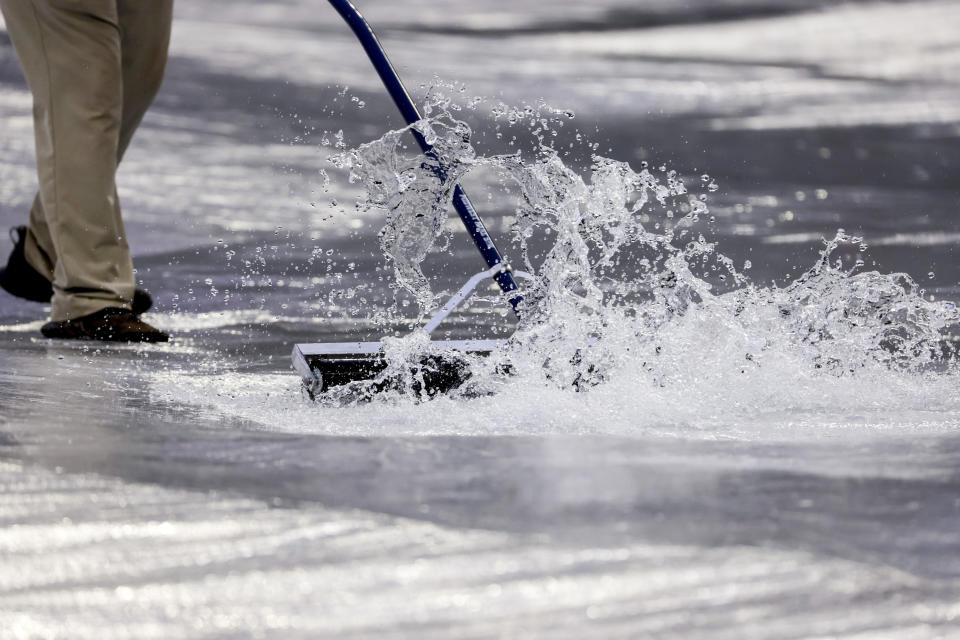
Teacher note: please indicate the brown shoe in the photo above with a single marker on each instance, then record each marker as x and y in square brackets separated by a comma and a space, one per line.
[111, 324]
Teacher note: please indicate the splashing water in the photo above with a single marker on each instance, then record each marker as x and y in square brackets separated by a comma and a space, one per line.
[628, 292]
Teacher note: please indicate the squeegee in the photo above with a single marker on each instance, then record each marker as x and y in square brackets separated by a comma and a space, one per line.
[323, 366]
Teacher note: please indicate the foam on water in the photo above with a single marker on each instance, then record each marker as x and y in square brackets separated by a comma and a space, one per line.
[636, 322]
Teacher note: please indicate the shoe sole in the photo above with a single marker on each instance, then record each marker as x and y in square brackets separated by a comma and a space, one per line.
[125, 338]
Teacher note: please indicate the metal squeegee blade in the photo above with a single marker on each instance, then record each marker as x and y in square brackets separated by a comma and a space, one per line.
[327, 365]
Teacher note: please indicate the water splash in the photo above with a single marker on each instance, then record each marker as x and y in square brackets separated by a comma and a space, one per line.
[628, 287]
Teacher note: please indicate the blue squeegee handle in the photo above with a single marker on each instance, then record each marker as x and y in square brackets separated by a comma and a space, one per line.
[468, 214]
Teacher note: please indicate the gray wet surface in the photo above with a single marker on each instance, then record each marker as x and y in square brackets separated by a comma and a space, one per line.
[189, 491]
[126, 517]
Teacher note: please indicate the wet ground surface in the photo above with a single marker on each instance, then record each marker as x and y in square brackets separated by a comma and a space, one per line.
[130, 517]
[188, 490]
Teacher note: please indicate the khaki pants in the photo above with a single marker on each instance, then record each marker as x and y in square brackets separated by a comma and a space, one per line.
[94, 67]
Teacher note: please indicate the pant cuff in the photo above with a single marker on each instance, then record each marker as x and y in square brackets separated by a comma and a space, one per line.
[71, 306]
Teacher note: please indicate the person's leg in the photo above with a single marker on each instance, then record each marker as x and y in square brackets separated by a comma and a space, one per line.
[144, 41]
[145, 37]
[71, 55]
